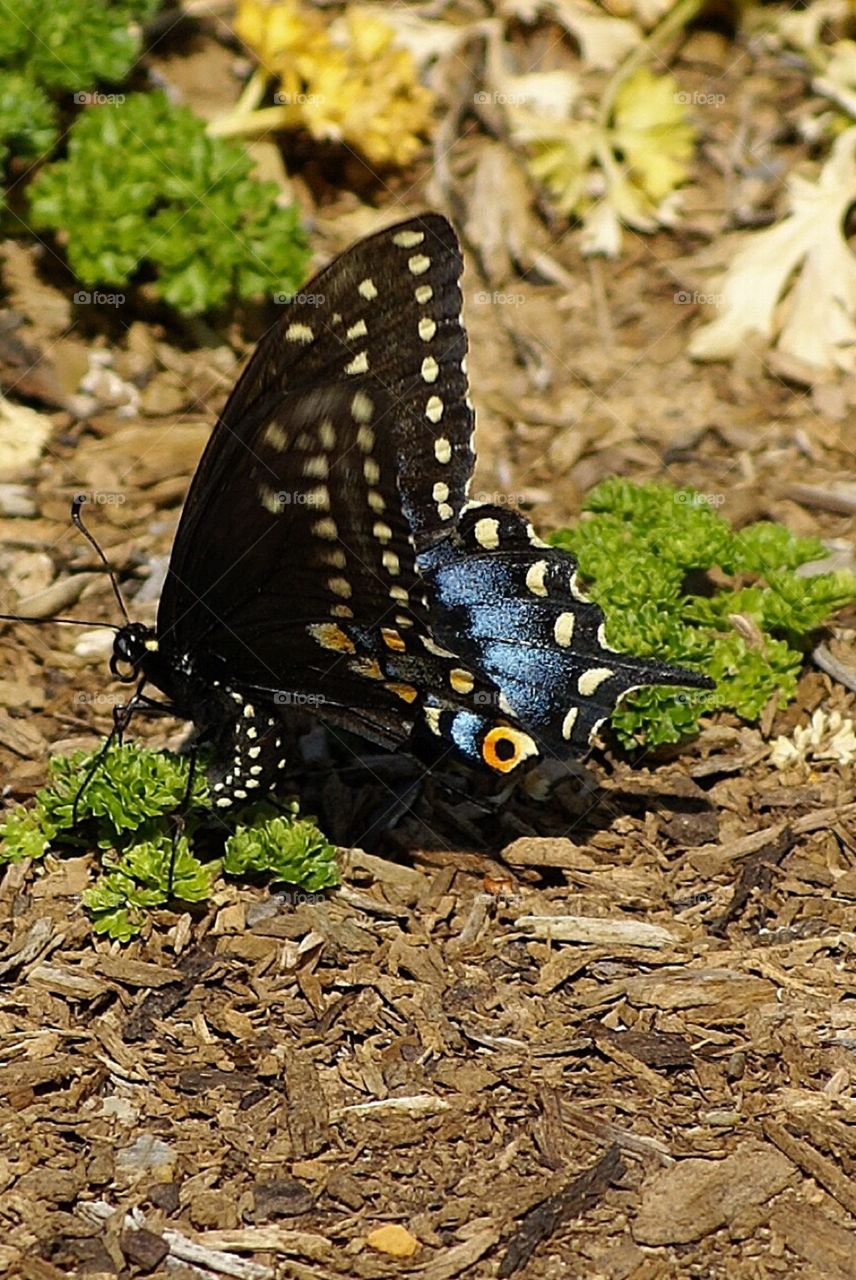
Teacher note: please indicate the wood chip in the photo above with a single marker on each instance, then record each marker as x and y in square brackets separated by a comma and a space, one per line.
[22, 738]
[600, 932]
[545, 1219]
[817, 1166]
[813, 1236]
[696, 1197]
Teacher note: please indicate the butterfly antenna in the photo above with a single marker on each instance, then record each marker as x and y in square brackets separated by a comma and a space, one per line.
[77, 520]
[71, 622]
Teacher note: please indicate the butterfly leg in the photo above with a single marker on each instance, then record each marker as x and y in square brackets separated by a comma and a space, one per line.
[123, 714]
[179, 819]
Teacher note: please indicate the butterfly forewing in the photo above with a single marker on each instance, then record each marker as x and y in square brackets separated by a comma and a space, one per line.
[387, 310]
[304, 537]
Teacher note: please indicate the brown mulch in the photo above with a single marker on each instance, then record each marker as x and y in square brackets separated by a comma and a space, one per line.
[615, 1040]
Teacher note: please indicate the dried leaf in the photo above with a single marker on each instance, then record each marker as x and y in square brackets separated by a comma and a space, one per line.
[803, 262]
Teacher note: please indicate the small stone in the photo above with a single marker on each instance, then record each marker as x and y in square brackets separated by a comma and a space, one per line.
[144, 1249]
[146, 1154]
[393, 1240]
[165, 1196]
[282, 1199]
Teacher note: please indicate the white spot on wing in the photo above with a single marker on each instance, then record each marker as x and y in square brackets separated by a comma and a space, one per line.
[602, 640]
[275, 436]
[362, 407]
[487, 533]
[367, 289]
[318, 497]
[316, 467]
[569, 721]
[434, 409]
[408, 239]
[535, 578]
[431, 646]
[299, 333]
[332, 556]
[359, 364]
[591, 680]
[563, 629]
[270, 500]
[432, 719]
[326, 529]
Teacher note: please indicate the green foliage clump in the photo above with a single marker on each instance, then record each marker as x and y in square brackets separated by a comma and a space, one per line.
[129, 810]
[639, 552]
[68, 46]
[28, 127]
[144, 186]
[50, 49]
[288, 850]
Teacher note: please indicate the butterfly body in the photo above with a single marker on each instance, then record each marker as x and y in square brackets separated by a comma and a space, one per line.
[327, 558]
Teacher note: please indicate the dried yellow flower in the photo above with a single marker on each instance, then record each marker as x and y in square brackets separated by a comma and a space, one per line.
[347, 81]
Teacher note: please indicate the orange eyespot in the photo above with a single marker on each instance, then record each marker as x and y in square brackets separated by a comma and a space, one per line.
[504, 748]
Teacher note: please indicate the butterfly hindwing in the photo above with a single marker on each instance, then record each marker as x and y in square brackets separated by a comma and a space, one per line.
[514, 607]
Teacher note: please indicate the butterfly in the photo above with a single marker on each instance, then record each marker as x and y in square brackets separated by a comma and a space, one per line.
[327, 557]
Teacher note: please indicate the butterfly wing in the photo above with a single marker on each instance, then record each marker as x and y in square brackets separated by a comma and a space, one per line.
[325, 558]
[387, 311]
[306, 593]
[518, 615]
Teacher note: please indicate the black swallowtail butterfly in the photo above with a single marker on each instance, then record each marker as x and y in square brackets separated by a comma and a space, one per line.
[327, 556]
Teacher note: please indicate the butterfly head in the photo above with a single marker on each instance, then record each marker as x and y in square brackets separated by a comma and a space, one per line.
[133, 648]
